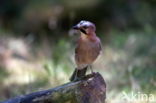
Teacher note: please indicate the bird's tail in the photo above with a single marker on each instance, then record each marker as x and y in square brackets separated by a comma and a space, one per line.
[78, 73]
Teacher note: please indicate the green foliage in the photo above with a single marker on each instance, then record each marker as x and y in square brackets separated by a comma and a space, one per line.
[128, 26]
[146, 77]
[3, 73]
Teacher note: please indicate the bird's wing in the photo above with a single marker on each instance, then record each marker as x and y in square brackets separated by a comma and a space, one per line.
[77, 53]
[100, 47]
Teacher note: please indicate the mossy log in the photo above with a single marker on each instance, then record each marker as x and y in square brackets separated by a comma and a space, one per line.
[92, 89]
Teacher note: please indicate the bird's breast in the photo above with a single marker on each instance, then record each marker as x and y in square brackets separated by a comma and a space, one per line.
[87, 51]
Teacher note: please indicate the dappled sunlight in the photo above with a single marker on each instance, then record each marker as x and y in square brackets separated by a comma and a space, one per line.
[37, 45]
[116, 65]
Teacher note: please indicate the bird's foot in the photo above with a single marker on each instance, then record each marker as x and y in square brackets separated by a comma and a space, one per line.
[76, 79]
[93, 73]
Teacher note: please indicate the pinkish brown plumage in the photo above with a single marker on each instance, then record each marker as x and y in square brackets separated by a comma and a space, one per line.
[88, 48]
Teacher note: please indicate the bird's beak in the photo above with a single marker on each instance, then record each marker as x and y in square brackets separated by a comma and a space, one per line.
[75, 27]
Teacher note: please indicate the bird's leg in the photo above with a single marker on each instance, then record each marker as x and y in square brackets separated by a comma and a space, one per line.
[90, 66]
[76, 78]
[74, 75]
[78, 74]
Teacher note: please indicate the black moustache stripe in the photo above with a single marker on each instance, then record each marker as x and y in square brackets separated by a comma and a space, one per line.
[83, 31]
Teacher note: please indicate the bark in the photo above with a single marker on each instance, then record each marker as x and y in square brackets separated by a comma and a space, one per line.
[92, 89]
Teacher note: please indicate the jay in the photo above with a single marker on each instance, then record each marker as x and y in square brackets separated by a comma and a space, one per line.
[87, 50]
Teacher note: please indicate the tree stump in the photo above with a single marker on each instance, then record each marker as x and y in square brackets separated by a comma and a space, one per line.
[92, 89]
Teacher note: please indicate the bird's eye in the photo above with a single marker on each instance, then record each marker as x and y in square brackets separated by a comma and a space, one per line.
[85, 27]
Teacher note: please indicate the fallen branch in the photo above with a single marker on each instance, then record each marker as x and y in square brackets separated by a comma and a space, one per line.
[92, 89]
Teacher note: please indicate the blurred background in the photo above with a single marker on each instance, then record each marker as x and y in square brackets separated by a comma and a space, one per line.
[37, 44]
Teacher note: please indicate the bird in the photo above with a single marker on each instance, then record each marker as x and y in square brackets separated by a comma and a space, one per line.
[87, 50]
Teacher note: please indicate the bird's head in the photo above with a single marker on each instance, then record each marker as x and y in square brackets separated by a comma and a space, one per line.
[85, 27]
